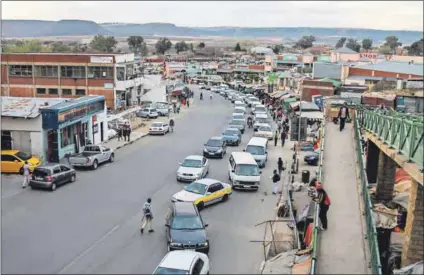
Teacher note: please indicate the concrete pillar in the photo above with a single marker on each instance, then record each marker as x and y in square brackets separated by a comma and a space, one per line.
[414, 231]
[373, 153]
[385, 177]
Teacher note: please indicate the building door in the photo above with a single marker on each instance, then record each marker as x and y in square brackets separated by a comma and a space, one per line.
[52, 146]
[101, 132]
[6, 140]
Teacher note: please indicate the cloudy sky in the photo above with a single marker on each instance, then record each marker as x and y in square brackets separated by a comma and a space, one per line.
[386, 15]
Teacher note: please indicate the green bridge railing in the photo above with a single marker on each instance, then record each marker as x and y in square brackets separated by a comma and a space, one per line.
[401, 132]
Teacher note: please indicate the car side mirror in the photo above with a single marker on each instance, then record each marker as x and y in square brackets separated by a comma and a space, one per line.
[232, 171]
[260, 172]
[206, 225]
[167, 225]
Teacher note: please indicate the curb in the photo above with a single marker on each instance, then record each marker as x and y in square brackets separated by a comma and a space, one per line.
[130, 142]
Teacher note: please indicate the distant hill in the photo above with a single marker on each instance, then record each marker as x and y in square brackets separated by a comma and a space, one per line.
[37, 28]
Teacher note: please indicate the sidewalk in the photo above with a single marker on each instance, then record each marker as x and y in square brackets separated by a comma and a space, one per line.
[341, 247]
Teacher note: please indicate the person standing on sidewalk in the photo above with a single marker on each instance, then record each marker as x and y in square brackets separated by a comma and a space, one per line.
[324, 202]
[283, 138]
[275, 179]
[275, 138]
[147, 216]
[120, 133]
[128, 126]
[26, 175]
[343, 115]
[280, 166]
[188, 103]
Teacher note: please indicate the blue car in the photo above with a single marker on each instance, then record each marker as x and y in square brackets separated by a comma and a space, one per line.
[232, 136]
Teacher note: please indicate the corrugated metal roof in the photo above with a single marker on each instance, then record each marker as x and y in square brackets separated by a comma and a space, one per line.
[25, 107]
[344, 50]
[395, 67]
[68, 104]
[360, 77]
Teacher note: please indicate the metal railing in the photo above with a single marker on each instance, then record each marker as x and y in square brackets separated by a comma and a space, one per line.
[371, 234]
[399, 131]
[316, 231]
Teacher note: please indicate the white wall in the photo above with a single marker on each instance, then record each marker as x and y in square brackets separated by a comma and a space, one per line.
[37, 147]
[101, 117]
[122, 58]
[21, 124]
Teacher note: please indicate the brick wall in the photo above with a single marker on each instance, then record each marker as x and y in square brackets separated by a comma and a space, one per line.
[414, 231]
[385, 177]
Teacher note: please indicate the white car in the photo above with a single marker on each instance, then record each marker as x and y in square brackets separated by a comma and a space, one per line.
[240, 110]
[193, 168]
[265, 131]
[183, 262]
[159, 127]
[238, 116]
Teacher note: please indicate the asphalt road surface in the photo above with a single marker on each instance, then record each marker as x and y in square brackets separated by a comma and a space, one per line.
[92, 225]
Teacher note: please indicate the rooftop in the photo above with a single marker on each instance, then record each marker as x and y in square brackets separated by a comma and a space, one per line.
[26, 107]
[344, 50]
[195, 157]
[396, 67]
[72, 103]
[85, 54]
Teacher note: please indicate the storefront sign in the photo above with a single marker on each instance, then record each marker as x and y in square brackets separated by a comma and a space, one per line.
[101, 59]
[80, 112]
[108, 85]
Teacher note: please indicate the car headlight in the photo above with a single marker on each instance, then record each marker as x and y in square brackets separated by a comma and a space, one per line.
[236, 182]
[203, 244]
[175, 244]
[179, 173]
[205, 150]
[174, 199]
[219, 151]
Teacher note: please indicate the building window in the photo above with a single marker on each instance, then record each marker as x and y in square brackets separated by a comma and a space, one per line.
[53, 91]
[120, 73]
[100, 72]
[66, 91]
[41, 91]
[20, 70]
[72, 71]
[79, 92]
[66, 136]
[46, 71]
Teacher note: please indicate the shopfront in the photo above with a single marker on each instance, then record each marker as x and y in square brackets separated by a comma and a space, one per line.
[71, 125]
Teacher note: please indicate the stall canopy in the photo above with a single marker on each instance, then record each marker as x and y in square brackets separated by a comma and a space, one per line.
[306, 106]
[278, 94]
[312, 115]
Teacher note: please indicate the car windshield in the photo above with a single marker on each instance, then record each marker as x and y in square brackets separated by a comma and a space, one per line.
[260, 109]
[231, 133]
[237, 122]
[265, 129]
[23, 155]
[247, 170]
[166, 270]
[153, 110]
[194, 163]
[186, 222]
[214, 143]
[239, 111]
[255, 150]
[196, 188]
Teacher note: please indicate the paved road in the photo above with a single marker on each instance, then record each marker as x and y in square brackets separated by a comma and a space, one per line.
[92, 226]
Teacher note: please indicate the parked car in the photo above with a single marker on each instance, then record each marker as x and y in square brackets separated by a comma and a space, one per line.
[193, 168]
[239, 124]
[161, 108]
[92, 156]
[264, 130]
[50, 176]
[183, 262]
[147, 113]
[215, 147]
[159, 127]
[185, 228]
[312, 159]
[12, 161]
[204, 192]
[232, 136]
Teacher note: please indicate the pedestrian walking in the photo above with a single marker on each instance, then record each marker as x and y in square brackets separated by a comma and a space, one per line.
[275, 179]
[129, 131]
[124, 132]
[120, 133]
[280, 166]
[343, 115]
[26, 175]
[275, 138]
[279, 126]
[188, 103]
[283, 138]
[147, 216]
[324, 202]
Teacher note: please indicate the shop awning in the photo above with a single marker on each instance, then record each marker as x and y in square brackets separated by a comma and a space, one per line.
[312, 115]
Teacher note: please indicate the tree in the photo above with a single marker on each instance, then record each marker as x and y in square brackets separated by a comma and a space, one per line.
[162, 45]
[341, 42]
[191, 47]
[392, 42]
[305, 42]
[237, 48]
[367, 44]
[353, 45]
[277, 49]
[137, 45]
[385, 50]
[59, 47]
[181, 47]
[416, 48]
[103, 44]
[201, 45]
[27, 46]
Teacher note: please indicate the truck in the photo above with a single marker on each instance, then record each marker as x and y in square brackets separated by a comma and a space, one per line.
[92, 156]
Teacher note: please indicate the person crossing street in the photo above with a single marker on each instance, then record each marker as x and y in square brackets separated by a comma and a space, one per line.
[26, 175]
[147, 216]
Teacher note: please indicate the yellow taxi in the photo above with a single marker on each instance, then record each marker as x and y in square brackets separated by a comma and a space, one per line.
[204, 192]
[12, 161]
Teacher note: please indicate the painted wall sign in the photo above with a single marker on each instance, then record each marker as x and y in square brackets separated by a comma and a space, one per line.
[80, 112]
[101, 59]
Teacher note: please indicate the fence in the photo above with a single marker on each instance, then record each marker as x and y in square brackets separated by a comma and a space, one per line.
[371, 234]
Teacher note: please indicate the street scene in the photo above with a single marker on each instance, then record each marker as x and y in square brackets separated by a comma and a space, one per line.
[168, 148]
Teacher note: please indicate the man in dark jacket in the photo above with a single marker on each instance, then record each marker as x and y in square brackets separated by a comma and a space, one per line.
[275, 179]
[283, 137]
[343, 115]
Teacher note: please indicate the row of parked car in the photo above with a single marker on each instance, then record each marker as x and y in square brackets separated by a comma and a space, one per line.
[154, 110]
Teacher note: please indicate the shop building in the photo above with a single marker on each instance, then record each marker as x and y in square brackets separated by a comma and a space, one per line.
[72, 75]
[70, 125]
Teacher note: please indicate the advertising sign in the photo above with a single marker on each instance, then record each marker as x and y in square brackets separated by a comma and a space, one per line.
[80, 112]
[101, 59]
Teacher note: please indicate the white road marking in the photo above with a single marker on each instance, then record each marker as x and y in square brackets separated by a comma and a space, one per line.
[91, 247]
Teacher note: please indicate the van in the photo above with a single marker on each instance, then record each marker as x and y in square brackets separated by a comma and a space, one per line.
[259, 119]
[257, 147]
[243, 171]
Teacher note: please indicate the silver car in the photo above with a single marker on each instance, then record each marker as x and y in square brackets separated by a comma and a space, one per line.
[147, 113]
[193, 168]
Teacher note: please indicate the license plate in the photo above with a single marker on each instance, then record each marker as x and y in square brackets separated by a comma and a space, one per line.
[211, 154]
[38, 178]
[191, 249]
[246, 186]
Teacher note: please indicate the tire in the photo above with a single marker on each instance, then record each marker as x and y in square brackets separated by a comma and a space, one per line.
[53, 187]
[73, 178]
[95, 165]
[112, 157]
[200, 206]
[225, 198]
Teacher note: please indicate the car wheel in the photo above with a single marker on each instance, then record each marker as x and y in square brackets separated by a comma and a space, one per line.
[73, 178]
[21, 171]
[53, 187]
[112, 158]
[200, 206]
[95, 165]
[225, 198]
